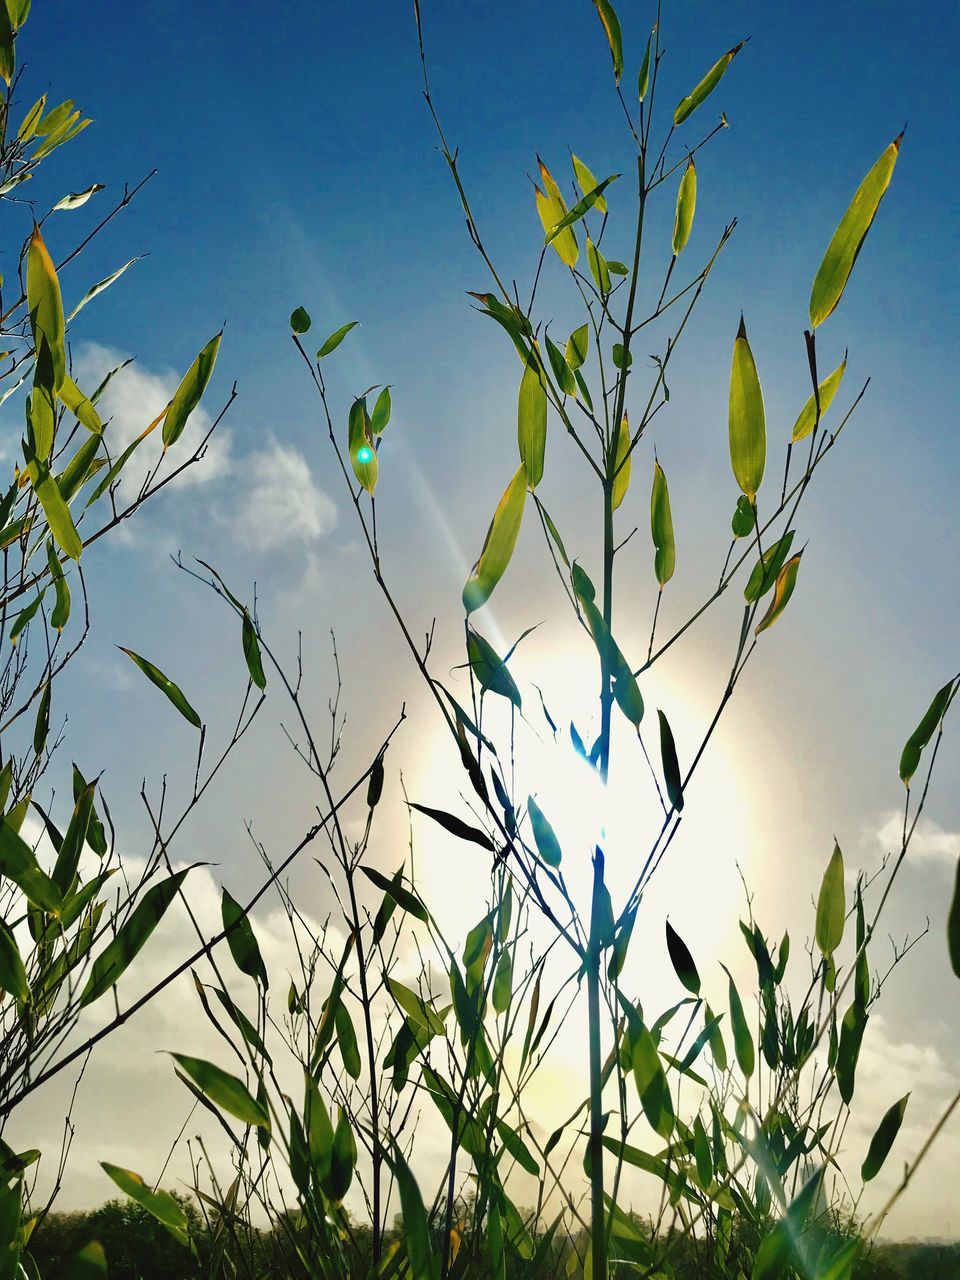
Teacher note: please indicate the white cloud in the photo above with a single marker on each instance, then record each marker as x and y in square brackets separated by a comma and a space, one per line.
[275, 500]
[134, 398]
[929, 843]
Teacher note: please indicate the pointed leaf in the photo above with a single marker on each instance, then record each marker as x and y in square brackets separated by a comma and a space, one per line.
[686, 206]
[883, 1139]
[661, 528]
[166, 685]
[808, 414]
[224, 1090]
[748, 434]
[130, 938]
[689, 104]
[498, 545]
[187, 395]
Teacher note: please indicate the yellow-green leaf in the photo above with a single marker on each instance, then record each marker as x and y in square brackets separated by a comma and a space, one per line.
[622, 462]
[552, 209]
[831, 905]
[55, 509]
[598, 267]
[79, 405]
[643, 79]
[61, 610]
[498, 545]
[849, 236]
[532, 422]
[782, 591]
[160, 1204]
[224, 1090]
[336, 338]
[587, 183]
[686, 206]
[363, 453]
[611, 27]
[661, 527]
[577, 346]
[548, 846]
[808, 414]
[187, 395]
[748, 432]
[689, 104]
[45, 305]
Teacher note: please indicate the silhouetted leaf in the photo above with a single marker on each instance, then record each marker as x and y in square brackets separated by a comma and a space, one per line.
[883, 1139]
[242, 940]
[299, 320]
[682, 961]
[910, 758]
[456, 827]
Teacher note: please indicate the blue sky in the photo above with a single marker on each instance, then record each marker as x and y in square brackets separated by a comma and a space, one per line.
[297, 165]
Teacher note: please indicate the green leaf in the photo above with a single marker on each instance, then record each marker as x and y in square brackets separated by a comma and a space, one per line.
[498, 545]
[78, 404]
[686, 206]
[381, 412]
[131, 937]
[503, 982]
[661, 528]
[840, 1265]
[88, 1263]
[423, 1263]
[671, 766]
[24, 617]
[404, 899]
[953, 926]
[55, 509]
[580, 209]
[587, 182]
[224, 1090]
[19, 864]
[187, 395]
[61, 610]
[251, 651]
[242, 940]
[532, 422]
[748, 433]
[343, 1158]
[561, 370]
[682, 961]
[578, 345]
[363, 451]
[689, 104]
[883, 1139]
[45, 305]
[611, 27]
[489, 668]
[849, 236]
[826, 391]
[831, 905]
[601, 278]
[462, 830]
[160, 1204]
[643, 79]
[851, 1035]
[918, 740]
[96, 289]
[622, 463]
[336, 338]
[767, 569]
[742, 1039]
[13, 976]
[299, 320]
[76, 199]
[782, 591]
[547, 843]
[68, 855]
[41, 728]
[552, 209]
[744, 518]
[166, 685]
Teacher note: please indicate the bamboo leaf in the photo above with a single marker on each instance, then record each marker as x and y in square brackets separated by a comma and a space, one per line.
[611, 26]
[826, 391]
[131, 937]
[77, 198]
[548, 846]
[581, 208]
[682, 961]
[851, 1036]
[578, 344]
[689, 104]
[671, 766]
[55, 509]
[165, 685]
[498, 545]
[748, 434]
[98, 288]
[532, 422]
[490, 669]
[363, 452]
[224, 1090]
[382, 409]
[847, 241]
[19, 864]
[953, 926]
[404, 899]
[561, 370]
[883, 1139]
[782, 591]
[423, 1263]
[251, 651]
[45, 306]
[831, 905]
[622, 463]
[78, 404]
[242, 940]
[686, 206]
[159, 1204]
[918, 740]
[742, 1039]
[767, 569]
[643, 79]
[13, 976]
[587, 182]
[601, 278]
[299, 320]
[552, 209]
[462, 830]
[336, 338]
[61, 610]
[744, 518]
[661, 528]
[187, 395]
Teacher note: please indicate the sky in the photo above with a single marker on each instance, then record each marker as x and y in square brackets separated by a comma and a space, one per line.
[296, 165]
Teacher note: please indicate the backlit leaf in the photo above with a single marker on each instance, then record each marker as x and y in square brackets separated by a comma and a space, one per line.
[831, 905]
[336, 338]
[160, 1204]
[532, 422]
[456, 827]
[187, 395]
[98, 288]
[851, 1035]
[78, 404]
[782, 591]
[77, 198]
[578, 345]
[404, 899]
[622, 462]
[548, 846]
[686, 206]
[251, 651]
[490, 669]
[166, 685]
[381, 412]
[45, 305]
[130, 938]
[742, 1039]
[224, 1090]
[363, 452]
[581, 208]
[561, 370]
[849, 236]
[423, 1263]
[552, 209]
[689, 104]
[611, 27]
[918, 740]
[765, 571]
[643, 79]
[587, 183]
[498, 545]
[19, 864]
[748, 433]
[744, 518]
[55, 509]
[661, 528]
[808, 414]
[601, 278]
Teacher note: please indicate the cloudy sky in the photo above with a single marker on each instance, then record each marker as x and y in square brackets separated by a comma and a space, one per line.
[297, 166]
